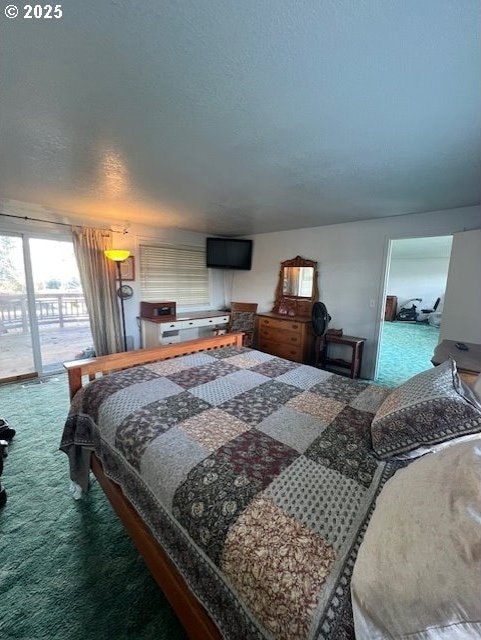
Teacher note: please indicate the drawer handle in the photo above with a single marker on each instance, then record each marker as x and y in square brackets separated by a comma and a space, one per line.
[172, 325]
[211, 321]
[191, 323]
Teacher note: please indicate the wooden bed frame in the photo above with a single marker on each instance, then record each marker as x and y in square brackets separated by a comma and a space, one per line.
[194, 618]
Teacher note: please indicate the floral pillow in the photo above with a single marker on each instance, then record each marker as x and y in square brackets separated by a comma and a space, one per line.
[430, 408]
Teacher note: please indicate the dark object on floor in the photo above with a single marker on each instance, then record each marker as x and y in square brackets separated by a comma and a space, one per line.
[408, 314]
[461, 346]
[6, 431]
[6, 434]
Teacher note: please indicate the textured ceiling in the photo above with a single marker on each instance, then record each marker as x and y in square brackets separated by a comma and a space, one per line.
[245, 116]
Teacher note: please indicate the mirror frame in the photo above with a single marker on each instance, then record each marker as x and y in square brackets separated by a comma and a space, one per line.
[295, 305]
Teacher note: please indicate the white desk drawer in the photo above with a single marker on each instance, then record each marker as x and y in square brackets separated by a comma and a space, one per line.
[170, 326]
[204, 322]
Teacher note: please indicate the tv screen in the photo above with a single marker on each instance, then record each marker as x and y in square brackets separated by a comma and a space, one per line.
[228, 253]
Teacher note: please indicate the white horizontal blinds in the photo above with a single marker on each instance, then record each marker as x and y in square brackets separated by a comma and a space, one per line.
[174, 273]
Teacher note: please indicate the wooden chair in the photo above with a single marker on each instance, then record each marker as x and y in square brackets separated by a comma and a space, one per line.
[243, 318]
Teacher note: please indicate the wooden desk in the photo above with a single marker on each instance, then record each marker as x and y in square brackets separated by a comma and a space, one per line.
[468, 362]
[353, 365]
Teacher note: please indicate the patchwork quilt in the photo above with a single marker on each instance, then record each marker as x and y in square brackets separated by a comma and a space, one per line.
[254, 473]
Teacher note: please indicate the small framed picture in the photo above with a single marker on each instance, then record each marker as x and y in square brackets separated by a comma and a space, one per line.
[127, 269]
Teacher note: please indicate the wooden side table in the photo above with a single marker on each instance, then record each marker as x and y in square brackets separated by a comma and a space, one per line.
[468, 363]
[353, 365]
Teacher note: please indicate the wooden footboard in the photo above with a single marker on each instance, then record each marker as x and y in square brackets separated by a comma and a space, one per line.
[103, 365]
[190, 612]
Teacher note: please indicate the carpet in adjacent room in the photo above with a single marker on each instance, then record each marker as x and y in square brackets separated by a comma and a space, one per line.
[406, 349]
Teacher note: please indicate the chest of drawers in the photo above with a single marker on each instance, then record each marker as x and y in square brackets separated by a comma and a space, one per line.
[287, 337]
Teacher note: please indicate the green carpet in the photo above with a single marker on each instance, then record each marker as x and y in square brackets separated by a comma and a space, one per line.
[68, 571]
[406, 349]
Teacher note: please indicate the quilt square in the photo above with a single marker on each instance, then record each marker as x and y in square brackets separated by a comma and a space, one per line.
[223, 389]
[296, 430]
[304, 376]
[195, 376]
[321, 498]
[126, 401]
[278, 566]
[96, 393]
[136, 432]
[249, 359]
[179, 456]
[209, 501]
[324, 409]
[258, 403]
[213, 428]
[345, 445]
[228, 352]
[371, 398]
[256, 456]
[341, 389]
[275, 367]
[166, 367]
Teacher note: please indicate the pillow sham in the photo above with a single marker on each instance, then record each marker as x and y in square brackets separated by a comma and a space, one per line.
[477, 387]
[417, 572]
[432, 407]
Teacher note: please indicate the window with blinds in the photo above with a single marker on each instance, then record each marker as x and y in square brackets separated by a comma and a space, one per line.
[174, 273]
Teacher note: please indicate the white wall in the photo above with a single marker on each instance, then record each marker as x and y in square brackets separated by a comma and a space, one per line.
[462, 304]
[423, 278]
[351, 261]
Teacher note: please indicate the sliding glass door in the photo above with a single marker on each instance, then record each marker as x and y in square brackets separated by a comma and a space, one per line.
[16, 351]
[43, 318]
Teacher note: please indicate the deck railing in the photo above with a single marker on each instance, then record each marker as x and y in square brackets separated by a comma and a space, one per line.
[50, 308]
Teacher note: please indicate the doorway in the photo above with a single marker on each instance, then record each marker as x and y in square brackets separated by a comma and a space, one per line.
[43, 317]
[416, 277]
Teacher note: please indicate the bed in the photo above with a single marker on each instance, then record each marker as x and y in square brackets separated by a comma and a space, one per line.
[246, 481]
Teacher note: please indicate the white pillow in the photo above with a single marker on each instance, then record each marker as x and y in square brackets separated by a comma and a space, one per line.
[418, 570]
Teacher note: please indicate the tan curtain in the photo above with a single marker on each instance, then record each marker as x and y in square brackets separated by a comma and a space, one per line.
[97, 275]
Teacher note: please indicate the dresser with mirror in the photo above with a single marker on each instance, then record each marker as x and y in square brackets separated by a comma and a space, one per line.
[286, 331]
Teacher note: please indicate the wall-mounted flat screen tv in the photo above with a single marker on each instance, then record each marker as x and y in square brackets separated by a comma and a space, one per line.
[228, 253]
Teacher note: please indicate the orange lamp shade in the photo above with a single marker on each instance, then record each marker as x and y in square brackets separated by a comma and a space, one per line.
[117, 255]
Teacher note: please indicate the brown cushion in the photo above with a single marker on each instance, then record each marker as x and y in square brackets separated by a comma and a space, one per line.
[430, 408]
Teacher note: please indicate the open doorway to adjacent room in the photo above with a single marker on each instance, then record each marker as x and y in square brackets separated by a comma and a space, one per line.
[417, 273]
